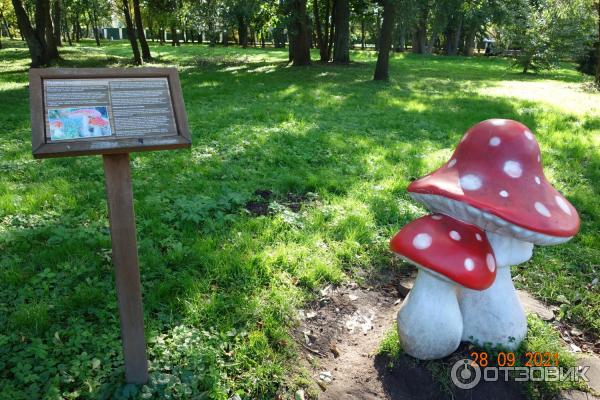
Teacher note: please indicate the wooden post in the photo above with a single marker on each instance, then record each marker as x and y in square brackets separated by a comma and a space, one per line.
[125, 259]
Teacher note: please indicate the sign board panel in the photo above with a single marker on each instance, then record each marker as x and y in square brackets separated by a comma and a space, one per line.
[106, 111]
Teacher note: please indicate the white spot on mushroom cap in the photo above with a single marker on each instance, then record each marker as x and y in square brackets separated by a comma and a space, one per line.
[513, 169]
[470, 182]
[491, 263]
[469, 264]
[452, 163]
[538, 158]
[538, 180]
[528, 134]
[562, 204]
[478, 237]
[455, 235]
[503, 193]
[437, 217]
[542, 209]
[495, 141]
[499, 122]
[422, 241]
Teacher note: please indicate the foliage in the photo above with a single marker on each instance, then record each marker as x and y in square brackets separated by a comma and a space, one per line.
[549, 30]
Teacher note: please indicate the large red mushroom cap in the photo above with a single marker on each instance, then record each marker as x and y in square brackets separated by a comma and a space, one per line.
[495, 180]
[453, 249]
[89, 112]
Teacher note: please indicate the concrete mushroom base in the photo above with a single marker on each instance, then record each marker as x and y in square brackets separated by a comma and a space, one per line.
[495, 315]
[430, 324]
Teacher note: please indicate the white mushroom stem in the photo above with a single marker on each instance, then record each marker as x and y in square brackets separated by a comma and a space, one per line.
[429, 321]
[495, 316]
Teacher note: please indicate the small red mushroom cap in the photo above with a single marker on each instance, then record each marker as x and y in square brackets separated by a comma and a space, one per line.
[448, 247]
[98, 121]
[496, 168]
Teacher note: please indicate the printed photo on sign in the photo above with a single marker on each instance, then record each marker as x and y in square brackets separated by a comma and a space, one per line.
[78, 123]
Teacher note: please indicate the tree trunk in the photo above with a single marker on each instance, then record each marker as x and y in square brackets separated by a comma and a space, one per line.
[331, 32]
[10, 36]
[421, 34]
[76, 28]
[212, 37]
[299, 33]
[321, 40]
[131, 33]
[43, 6]
[385, 41]
[469, 43]
[243, 31]
[174, 36]
[341, 48]
[35, 38]
[56, 19]
[362, 33]
[137, 15]
[96, 35]
[598, 50]
[66, 29]
[401, 35]
[95, 27]
[458, 35]
[225, 40]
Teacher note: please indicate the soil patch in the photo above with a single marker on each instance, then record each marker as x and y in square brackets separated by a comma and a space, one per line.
[266, 203]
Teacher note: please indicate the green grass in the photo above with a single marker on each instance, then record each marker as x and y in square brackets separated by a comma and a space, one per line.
[220, 286]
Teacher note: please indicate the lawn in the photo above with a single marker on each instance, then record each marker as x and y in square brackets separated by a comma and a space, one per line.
[321, 156]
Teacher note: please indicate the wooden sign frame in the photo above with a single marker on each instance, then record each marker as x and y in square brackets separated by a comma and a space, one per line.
[78, 129]
[42, 148]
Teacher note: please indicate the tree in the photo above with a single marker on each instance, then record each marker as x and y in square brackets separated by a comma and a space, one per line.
[41, 52]
[140, 31]
[298, 32]
[137, 60]
[548, 30]
[241, 13]
[385, 40]
[56, 21]
[320, 8]
[341, 47]
[419, 42]
[598, 47]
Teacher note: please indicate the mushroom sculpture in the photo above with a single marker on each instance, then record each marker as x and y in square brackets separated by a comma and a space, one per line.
[449, 254]
[85, 114]
[495, 180]
[97, 125]
[56, 129]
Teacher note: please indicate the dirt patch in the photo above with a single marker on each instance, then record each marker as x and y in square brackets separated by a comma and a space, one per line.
[266, 203]
[341, 334]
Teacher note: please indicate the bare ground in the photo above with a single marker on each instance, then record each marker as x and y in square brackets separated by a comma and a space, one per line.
[341, 334]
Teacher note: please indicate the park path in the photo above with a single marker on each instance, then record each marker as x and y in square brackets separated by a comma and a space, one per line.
[341, 333]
